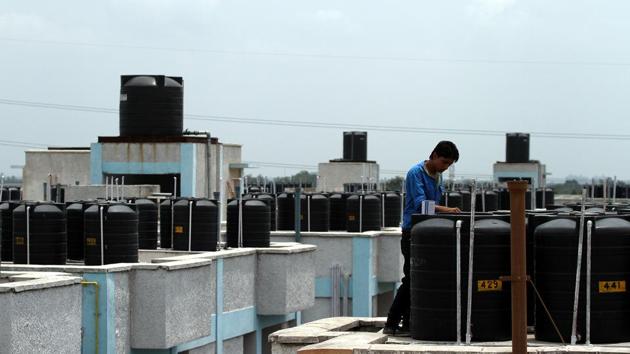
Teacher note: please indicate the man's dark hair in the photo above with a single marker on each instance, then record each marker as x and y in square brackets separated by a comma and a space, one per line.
[446, 149]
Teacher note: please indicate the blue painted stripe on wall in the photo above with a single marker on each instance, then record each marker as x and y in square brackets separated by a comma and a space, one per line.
[188, 169]
[146, 168]
[96, 160]
[323, 287]
[218, 328]
[361, 279]
[239, 322]
[106, 315]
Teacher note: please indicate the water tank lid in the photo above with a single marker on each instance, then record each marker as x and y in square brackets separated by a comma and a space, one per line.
[169, 82]
[142, 81]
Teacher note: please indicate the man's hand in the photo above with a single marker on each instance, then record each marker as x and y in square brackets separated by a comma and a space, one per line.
[454, 210]
[444, 209]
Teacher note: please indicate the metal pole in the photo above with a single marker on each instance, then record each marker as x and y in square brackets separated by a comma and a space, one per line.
[473, 196]
[614, 192]
[117, 191]
[483, 200]
[519, 276]
[190, 203]
[217, 197]
[383, 209]
[122, 188]
[172, 222]
[576, 295]
[102, 233]
[589, 230]
[308, 211]
[50, 181]
[1, 186]
[361, 213]
[298, 226]
[458, 276]
[28, 235]
[175, 186]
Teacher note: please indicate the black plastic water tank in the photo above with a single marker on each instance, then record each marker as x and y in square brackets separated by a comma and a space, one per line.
[315, 212]
[549, 197]
[151, 105]
[6, 233]
[286, 211]
[338, 211]
[256, 223]
[166, 222]
[120, 234]
[454, 200]
[433, 279]
[270, 199]
[147, 223]
[392, 208]
[466, 200]
[203, 230]
[76, 229]
[46, 240]
[366, 205]
[517, 147]
[556, 260]
[486, 200]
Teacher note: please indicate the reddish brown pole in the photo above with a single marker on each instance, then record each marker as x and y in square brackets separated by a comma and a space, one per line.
[519, 276]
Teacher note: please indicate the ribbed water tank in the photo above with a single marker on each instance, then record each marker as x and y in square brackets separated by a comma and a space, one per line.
[549, 197]
[166, 222]
[147, 223]
[363, 212]
[433, 279]
[6, 225]
[315, 212]
[270, 199]
[517, 147]
[286, 211]
[76, 229]
[466, 200]
[454, 199]
[45, 238]
[338, 211]
[151, 105]
[486, 200]
[392, 208]
[195, 225]
[119, 228]
[556, 261]
[256, 223]
[504, 200]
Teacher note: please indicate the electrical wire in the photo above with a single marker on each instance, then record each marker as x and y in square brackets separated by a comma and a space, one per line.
[315, 124]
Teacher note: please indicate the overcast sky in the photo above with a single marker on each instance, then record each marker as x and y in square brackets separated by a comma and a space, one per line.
[539, 66]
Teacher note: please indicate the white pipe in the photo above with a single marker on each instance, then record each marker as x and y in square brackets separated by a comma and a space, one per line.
[589, 230]
[473, 196]
[102, 235]
[1, 186]
[175, 186]
[614, 193]
[28, 235]
[383, 209]
[308, 212]
[190, 225]
[458, 276]
[122, 188]
[576, 295]
[483, 200]
[172, 223]
[240, 213]
[117, 197]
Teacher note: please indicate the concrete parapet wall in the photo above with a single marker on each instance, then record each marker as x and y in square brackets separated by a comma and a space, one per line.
[168, 303]
[285, 280]
[41, 313]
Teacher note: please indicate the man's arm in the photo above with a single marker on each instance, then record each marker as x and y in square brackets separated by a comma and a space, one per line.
[445, 209]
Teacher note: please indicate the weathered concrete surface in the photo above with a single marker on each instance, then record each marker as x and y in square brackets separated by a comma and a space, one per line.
[285, 279]
[170, 303]
[66, 167]
[343, 335]
[41, 315]
[239, 282]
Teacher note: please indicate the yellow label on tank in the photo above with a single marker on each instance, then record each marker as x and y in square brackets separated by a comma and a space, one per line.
[612, 286]
[179, 229]
[19, 240]
[489, 285]
[90, 241]
[351, 217]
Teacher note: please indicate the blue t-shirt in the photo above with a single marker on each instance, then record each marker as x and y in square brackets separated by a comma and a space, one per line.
[419, 186]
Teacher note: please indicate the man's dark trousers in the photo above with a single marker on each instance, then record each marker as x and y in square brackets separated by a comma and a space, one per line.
[401, 306]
